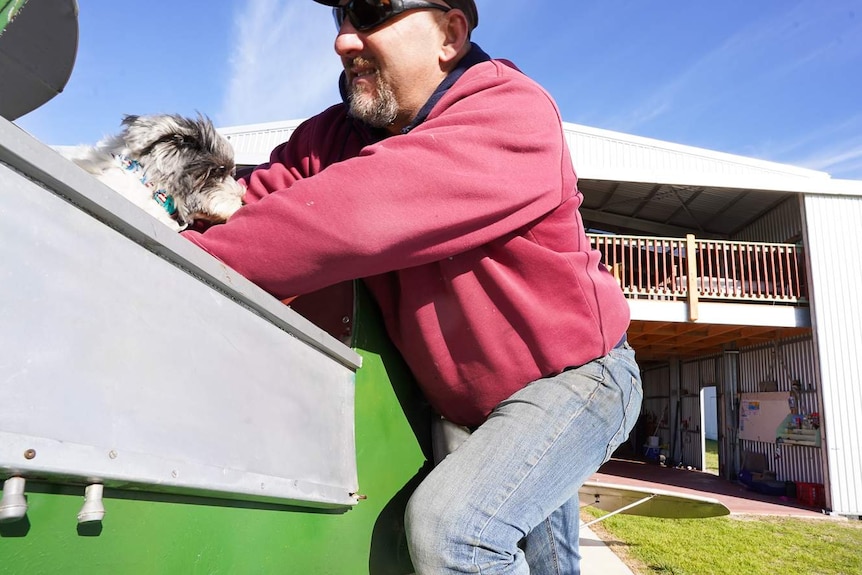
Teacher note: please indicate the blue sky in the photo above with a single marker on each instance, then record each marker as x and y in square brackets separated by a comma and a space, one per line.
[779, 80]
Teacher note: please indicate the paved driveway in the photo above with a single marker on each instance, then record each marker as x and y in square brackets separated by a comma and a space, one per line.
[738, 498]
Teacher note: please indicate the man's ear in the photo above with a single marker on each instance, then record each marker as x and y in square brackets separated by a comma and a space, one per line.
[457, 38]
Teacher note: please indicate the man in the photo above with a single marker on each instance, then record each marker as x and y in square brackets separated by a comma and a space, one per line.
[445, 184]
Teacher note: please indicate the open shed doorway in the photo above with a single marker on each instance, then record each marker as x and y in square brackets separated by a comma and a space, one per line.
[709, 426]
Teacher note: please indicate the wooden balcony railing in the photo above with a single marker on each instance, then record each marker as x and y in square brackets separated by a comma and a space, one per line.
[692, 269]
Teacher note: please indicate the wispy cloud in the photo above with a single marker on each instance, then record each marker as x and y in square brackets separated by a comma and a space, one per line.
[842, 159]
[676, 91]
[834, 147]
[283, 66]
[846, 130]
[761, 53]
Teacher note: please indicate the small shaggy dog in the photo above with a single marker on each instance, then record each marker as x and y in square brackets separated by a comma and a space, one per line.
[178, 169]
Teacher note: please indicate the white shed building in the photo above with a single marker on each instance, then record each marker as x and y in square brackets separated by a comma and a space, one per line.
[763, 310]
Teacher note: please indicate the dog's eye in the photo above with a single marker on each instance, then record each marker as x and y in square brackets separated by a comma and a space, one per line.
[184, 141]
[224, 171]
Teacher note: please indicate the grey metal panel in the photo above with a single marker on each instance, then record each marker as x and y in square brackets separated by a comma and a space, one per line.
[780, 362]
[132, 358]
[728, 413]
[45, 166]
[656, 388]
[834, 244]
[655, 382]
[692, 454]
[782, 224]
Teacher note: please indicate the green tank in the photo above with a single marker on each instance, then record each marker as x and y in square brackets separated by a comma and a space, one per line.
[151, 533]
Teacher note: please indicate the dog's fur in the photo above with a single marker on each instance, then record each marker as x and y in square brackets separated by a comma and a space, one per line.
[185, 159]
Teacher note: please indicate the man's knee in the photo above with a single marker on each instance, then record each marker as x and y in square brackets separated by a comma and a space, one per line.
[436, 528]
[425, 518]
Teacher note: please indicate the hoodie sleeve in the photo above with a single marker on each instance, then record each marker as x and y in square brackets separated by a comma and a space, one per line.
[490, 158]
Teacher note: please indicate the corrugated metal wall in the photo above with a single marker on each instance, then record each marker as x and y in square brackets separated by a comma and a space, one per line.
[656, 404]
[782, 224]
[834, 243]
[689, 403]
[780, 362]
[784, 361]
[775, 367]
[680, 405]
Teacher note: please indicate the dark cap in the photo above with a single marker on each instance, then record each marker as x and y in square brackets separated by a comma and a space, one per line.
[468, 7]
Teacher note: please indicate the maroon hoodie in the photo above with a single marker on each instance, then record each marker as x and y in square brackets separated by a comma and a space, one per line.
[465, 228]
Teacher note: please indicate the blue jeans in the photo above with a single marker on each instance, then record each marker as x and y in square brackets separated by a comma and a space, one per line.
[506, 500]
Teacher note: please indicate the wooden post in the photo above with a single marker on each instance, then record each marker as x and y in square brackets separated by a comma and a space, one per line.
[691, 273]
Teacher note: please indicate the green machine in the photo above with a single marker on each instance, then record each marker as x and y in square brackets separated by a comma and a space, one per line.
[158, 412]
[212, 429]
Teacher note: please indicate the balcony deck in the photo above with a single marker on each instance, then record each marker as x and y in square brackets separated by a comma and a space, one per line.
[693, 296]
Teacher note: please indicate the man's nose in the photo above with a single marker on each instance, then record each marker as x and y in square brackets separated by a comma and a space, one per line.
[348, 41]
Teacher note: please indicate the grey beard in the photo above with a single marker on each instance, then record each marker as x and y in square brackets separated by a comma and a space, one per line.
[380, 111]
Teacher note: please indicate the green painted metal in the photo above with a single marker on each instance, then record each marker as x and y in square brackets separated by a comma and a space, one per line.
[158, 534]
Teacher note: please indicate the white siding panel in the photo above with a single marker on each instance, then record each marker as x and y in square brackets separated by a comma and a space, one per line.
[710, 413]
[252, 144]
[834, 246]
[597, 149]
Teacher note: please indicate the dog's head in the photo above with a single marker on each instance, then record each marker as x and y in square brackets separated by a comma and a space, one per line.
[189, 159]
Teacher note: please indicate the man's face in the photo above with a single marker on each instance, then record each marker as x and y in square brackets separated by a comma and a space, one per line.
[370, 95]
[392, 70]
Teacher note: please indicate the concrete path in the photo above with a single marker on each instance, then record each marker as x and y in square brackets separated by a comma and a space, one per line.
[597, 558]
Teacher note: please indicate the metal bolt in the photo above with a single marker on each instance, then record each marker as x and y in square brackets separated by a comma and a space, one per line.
[112, 454]
[30, 454]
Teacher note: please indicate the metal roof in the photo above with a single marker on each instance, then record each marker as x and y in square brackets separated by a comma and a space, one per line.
[633, 184]
[672, 210]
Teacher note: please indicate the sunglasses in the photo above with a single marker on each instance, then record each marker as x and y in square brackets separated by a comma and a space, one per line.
[368, 14]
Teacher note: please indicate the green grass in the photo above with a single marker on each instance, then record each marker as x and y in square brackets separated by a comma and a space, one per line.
[738, 545]
[711, 456]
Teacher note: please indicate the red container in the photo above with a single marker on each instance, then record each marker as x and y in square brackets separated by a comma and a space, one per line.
[811, 494]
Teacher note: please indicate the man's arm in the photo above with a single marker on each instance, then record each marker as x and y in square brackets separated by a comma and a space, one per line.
[477, 169]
